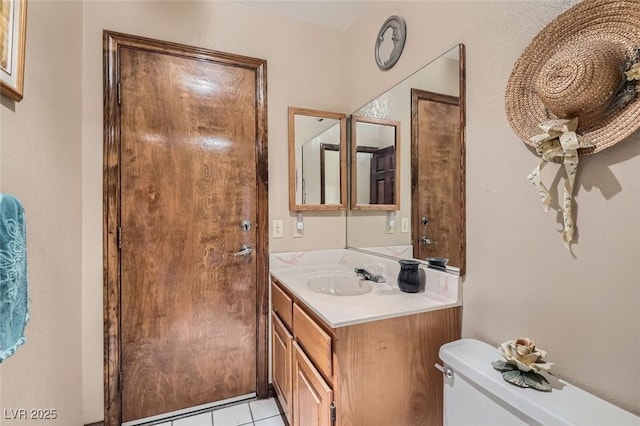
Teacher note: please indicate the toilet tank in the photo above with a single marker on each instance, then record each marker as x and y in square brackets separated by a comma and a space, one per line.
[477, 395]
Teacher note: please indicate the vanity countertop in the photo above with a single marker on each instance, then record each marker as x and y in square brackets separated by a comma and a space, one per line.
[293, 270]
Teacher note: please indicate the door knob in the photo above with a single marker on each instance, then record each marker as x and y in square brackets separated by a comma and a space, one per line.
[427, 241]
[245, 250]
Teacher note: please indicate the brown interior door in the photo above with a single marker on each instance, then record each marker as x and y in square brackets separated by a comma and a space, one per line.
[436, 153]
[188, 176]
[383, 176]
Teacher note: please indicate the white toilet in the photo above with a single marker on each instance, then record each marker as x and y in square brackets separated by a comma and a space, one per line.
[476, 395]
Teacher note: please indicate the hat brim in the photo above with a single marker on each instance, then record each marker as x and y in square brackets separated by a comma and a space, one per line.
[613, 21]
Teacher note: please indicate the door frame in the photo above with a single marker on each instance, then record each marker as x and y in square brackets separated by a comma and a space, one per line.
[112, 42]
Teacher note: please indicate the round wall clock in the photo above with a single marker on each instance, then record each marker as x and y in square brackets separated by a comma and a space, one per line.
[390, 42]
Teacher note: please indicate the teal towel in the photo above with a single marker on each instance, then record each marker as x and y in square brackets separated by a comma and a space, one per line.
[14, 297]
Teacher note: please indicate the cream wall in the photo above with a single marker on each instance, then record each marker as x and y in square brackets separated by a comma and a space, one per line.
[41, 146]
[583, 306]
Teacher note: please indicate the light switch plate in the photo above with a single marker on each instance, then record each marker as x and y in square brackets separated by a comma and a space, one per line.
[277, 230]
[404, 226]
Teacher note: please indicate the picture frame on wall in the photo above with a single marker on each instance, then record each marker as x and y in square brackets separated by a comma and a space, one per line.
[13, 31]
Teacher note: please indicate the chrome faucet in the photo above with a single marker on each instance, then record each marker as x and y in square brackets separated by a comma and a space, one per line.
[361, 272]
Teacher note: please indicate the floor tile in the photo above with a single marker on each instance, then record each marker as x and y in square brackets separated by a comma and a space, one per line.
[164, 424]
[203, 419]
[232, 416]
[263, 408]
[271, 421]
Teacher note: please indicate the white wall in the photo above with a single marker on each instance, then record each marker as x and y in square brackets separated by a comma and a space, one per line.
[583, 306]
[41, 164]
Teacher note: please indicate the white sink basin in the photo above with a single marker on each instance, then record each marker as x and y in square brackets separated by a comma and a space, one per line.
[339, 285]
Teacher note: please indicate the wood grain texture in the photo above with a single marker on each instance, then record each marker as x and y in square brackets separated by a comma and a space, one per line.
[312, 396]
[386, 373]
[438, 164]
[315, 342]
[463, 159]
[193, 138]
[282, 357]
[438, 184]
[111, 213]
[382, 372]
[282, 304]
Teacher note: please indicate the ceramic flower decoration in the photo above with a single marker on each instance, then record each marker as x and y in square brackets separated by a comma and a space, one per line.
[523, 364]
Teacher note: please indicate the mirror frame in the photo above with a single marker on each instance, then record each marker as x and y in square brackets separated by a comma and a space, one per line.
[355, 119]
[293, 206]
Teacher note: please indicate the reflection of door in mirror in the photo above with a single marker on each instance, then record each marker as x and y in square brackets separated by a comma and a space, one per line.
[364, 158]
[329, 173]
[382, 176]
[317, 160]
[436, 146]
[375, 152]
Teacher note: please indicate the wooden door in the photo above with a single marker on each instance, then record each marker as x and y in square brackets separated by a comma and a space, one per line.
[189, 133]
[281, 356]
[437, 193]
[383, 173]
[312, 397]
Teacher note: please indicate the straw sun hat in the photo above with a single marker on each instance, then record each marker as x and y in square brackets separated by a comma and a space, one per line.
[576, 68]
[573, 91]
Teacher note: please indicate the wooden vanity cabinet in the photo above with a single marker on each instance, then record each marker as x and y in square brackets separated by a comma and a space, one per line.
[312, 396]
[374, 373]
[282, 358]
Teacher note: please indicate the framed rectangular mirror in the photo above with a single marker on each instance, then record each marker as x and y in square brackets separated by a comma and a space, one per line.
[430, 215]
[375, 163]
[317, 160]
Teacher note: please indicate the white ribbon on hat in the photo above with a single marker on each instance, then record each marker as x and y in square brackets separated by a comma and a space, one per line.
[634, 72]
[559, 143]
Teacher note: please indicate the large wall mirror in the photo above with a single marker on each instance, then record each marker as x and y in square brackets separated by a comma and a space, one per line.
[375, 163]
[430, 216]
[317, 160]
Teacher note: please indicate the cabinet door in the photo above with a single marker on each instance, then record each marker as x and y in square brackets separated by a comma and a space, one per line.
[281, 358]
[312, 397]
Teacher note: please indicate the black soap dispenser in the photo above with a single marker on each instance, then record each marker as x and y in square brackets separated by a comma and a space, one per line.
[409, 276]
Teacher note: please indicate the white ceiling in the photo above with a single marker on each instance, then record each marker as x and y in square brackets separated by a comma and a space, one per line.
[334, 15]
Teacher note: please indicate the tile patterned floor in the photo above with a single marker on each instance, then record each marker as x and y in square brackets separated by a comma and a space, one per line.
[264, 412]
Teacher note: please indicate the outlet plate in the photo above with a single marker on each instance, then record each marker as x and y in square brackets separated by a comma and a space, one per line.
[298, 229]
[390, 226]
[277, 230]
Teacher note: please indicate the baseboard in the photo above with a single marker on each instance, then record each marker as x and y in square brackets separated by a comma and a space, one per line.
[95, 424]
[271, 391]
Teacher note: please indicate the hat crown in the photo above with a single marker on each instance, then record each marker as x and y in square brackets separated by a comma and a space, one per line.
[581, 82]
[575, 68]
